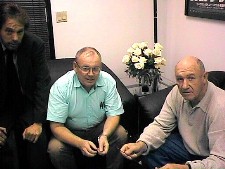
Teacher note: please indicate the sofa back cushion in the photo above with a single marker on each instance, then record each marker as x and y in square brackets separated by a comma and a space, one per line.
[59, 67]
[150, 106]
[217, 78]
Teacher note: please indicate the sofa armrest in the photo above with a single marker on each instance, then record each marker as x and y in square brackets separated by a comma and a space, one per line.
[150, 105]
[218, 78]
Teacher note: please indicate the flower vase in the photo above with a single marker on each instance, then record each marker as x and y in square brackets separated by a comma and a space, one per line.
[148, 83]
[144, 84]
[155, 84]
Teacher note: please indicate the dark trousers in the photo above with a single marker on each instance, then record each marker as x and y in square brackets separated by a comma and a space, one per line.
[64, 156]
[21, 154]
[172, 151]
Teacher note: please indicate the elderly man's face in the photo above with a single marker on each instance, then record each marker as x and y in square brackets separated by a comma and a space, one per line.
[191, 81]
[11, 34]
[87, 67]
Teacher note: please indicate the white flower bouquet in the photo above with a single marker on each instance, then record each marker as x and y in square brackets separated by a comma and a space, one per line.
[142, 61]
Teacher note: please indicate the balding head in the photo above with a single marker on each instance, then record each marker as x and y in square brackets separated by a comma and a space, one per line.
[87, 52]
[191, 62]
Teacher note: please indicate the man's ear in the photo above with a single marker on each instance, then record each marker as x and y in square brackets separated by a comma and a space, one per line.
[205, 75]
[74, 66]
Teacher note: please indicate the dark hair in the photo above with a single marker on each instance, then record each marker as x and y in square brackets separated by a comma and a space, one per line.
[13, 11]
[86, 49]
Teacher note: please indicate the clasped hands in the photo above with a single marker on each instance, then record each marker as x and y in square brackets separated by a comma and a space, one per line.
[89, 149]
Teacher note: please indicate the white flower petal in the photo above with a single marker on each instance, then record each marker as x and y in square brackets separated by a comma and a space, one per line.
[135, 45]
[137, 52]
[158, 46]
[143, 45]
[157, 52]
[148, 52]
[142, 60]
[126, 59]
[139, 65]
[135, 59]
[130, 50]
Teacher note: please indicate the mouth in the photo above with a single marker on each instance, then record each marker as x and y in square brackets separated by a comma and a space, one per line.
[90, 80]
[186, 93]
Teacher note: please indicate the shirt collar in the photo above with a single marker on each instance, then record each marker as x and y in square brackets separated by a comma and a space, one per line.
[3, 47]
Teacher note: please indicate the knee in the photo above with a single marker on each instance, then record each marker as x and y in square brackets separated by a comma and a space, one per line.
[121, 134]
[54, 146]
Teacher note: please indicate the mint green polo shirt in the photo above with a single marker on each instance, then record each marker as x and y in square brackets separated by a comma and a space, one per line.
[69, 103]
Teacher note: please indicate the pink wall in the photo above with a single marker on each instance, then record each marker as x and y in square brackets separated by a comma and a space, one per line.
[183, 35]
[113, 25]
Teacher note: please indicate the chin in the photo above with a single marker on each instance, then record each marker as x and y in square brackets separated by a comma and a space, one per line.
[188, 98]
[89, 85]
[12, 48]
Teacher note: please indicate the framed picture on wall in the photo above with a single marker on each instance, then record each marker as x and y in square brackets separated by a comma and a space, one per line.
[211, 9]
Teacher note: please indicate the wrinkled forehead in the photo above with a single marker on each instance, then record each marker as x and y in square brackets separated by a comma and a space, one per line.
[13, 25]
[188, 69]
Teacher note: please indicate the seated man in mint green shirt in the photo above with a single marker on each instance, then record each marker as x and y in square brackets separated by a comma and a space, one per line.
[84, 112]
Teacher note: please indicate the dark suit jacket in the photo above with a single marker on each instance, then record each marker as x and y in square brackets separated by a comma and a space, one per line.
[34, 78]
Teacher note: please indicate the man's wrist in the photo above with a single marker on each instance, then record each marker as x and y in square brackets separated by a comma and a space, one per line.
[145, 145]
[102, 135]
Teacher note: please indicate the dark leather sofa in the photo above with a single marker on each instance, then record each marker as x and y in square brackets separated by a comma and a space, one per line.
[139, 111]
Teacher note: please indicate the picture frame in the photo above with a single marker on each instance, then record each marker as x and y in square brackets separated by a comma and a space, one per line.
[211, 9]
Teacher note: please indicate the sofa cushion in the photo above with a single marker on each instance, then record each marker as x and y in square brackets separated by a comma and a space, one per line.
[59, 67]
[150, 105]
[218, 78]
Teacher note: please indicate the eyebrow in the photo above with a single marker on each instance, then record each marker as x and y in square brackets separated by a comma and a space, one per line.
[13, 30]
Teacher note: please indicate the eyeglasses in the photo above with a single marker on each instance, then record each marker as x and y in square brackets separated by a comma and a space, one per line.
[87, 69]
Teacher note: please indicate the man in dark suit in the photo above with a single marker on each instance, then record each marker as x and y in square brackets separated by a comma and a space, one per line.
[24, 84]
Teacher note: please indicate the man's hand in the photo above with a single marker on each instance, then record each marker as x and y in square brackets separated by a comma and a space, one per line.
[103, 145]
[3, 136]
[175, 166]
[32, 132]
[88, 148]
[133, 150]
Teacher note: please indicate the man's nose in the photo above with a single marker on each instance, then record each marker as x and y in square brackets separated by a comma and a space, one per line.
[185, 84]
[15, 36]
[91, 72]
